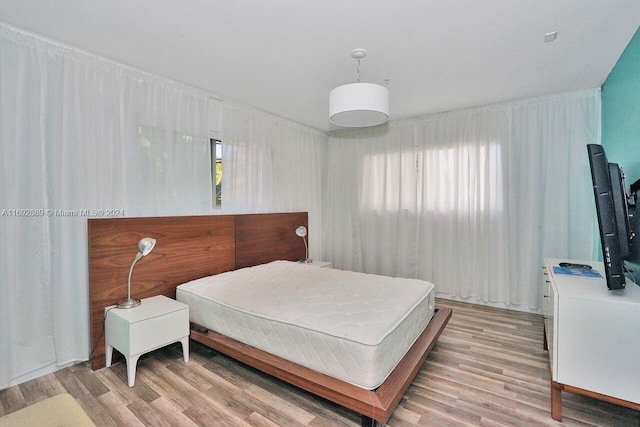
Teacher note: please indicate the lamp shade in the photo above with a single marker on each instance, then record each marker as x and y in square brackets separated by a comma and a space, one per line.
[146, 245]
[359, 105]
[301, 231]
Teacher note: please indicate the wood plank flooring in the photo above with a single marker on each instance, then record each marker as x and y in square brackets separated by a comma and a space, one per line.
[487, 369]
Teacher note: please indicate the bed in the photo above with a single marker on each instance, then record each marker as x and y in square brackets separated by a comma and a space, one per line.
[194, 251]
[355, 327]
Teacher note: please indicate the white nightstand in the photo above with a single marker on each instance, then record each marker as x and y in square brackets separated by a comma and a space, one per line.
[157, 322]
[320, 264]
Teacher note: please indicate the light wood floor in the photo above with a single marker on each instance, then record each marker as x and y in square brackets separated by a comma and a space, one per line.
[488, 368]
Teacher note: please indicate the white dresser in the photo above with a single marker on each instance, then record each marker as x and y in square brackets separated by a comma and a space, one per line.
[593, 337]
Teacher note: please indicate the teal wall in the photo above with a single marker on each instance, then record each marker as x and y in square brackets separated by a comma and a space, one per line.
[621, 111]
[621, 127]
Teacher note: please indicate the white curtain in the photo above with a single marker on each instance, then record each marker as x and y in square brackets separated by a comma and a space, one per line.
[273, 165]
[470, 200]
[372, 200]
[80, 137]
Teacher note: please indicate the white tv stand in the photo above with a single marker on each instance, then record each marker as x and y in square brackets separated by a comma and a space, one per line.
[593, 337]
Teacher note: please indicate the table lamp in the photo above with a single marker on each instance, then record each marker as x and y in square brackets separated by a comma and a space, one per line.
[145, 246]
[302, 232]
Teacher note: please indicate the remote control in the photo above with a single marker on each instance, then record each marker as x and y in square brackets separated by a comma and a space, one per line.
[578, 266]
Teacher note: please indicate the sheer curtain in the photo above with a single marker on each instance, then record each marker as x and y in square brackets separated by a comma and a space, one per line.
[470, 200]
[551, 206]
[80, 137]
[463, 240]
[273, 165]
[372, 201]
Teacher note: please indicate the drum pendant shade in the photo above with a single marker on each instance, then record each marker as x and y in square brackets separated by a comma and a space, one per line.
[359, 105]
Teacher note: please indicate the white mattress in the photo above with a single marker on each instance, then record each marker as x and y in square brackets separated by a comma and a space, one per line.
[352, 326]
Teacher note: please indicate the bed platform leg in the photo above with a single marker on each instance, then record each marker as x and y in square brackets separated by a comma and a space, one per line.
[368, 422]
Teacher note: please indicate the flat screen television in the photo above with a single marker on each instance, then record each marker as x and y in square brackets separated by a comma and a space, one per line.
[613, 216]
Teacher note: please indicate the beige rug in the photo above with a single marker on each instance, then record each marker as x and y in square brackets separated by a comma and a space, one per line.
[58, 411]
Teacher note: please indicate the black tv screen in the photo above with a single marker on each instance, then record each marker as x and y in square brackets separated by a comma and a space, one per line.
[611, 210]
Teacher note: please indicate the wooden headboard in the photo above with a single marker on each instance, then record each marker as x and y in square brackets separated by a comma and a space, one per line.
[187, 248]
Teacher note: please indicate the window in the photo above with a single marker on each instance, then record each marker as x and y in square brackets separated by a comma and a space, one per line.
[464, 178]
[216, 172]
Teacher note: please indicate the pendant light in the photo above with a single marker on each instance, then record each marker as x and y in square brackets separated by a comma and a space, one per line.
[359, 104]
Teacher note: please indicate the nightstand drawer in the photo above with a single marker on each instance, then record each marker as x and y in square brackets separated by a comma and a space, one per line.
[158, 331]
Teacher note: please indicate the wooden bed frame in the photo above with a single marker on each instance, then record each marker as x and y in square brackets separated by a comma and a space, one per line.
[190, 247]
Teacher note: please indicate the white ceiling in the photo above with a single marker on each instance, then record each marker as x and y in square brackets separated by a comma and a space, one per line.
[284, 56]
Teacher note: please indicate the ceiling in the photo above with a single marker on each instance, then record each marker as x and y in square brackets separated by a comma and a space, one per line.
[284, 56]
